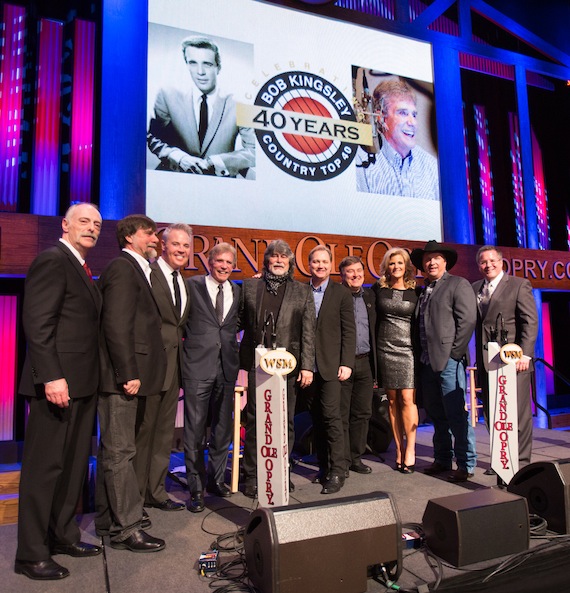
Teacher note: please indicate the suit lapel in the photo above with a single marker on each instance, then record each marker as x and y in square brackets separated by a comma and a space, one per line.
[91, 286]
[203, 292]
[158, 277]
[139, 270]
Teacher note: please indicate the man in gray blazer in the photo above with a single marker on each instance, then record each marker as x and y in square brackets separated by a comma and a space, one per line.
[506, 300]
[209, 370]
[156, 416]
[196, 132]
[444, 322]
[275, 303]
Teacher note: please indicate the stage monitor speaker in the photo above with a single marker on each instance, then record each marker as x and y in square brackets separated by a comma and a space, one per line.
[322, 546]
[545, 485]
[476, 526]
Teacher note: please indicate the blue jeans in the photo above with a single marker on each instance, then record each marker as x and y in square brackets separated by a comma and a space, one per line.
[444, 401]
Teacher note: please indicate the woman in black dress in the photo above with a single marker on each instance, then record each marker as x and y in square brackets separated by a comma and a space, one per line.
[396, 300]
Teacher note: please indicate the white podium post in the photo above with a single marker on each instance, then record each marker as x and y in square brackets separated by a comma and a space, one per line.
[271, 428]
[503, 413]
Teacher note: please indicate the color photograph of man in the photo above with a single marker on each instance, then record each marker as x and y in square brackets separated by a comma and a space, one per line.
[193, 126]
[395, 165]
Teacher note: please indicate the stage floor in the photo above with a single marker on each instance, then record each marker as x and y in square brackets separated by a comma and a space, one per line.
[187, 534]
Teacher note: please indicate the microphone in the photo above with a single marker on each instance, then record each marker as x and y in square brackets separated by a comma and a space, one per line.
[504, 332]
[269, 318]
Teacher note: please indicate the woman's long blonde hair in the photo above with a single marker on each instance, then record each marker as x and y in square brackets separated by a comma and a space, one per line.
[409, 274]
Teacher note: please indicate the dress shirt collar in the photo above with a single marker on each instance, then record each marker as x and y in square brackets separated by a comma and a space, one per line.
[495, 281]
[73, 250]
[320, 288]
[143, 262]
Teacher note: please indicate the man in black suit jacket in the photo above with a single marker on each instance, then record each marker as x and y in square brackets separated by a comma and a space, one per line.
[60, 376]
[511, 299]
[210, 369]
[357, 390]
[275, 295]
[335, 347]
[156, 416]
[133, 365]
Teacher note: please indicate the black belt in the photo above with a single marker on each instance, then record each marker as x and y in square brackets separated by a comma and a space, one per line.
[358, 356]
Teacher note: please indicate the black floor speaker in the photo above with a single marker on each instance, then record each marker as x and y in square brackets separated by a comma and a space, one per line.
[545, 485]
[324, 546]
[476, 526]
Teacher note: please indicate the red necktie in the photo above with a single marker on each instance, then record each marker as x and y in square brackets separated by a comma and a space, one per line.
[88, 271]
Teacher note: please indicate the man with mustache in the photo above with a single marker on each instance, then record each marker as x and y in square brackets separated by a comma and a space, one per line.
[133, 365]
[399, 168]
[60, 377]
[275, 302]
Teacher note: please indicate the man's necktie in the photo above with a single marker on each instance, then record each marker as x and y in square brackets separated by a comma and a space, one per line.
[484, 299]
[203, 119]
[220, 303]
[177, 299]
[88, 271]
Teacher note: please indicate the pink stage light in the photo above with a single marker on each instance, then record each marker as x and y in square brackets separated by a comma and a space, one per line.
[82, 109]
[8, 341]
[12, 45]
[46, 165]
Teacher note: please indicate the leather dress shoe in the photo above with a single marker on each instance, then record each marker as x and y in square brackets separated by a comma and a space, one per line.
[319, 478]
[436, 468]
[140, 541]
[218, 489]
[250, 490]
[146, 523]
[332, 485]
[196, 502]
[167, 505]
[360, 468]
[78, 549]
[459, 475]
[44, 570]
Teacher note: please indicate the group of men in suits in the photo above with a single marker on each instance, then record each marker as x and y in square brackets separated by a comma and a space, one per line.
[117, 349]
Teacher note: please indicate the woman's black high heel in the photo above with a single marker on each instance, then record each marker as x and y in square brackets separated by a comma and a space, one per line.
[408, 469]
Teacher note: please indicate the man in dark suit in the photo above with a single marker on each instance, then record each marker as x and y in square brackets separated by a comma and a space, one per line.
[289, 303]
[196, 132]
[133, 365]
[510, 299]
[357, 390]
[335, 347]
[445, 318]
[156, 416]
[210, 369]
[60, 376]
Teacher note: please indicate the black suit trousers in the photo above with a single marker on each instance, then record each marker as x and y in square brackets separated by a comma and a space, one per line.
[324, 404]
[56, 452]
[356, 410]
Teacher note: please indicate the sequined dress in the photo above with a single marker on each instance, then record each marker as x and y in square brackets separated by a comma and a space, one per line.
[395, 309]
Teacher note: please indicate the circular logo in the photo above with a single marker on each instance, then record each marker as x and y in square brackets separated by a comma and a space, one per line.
[511, 353]
[278, 362]
[303, 126]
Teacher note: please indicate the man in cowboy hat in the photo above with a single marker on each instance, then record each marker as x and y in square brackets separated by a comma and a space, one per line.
[445, 319]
